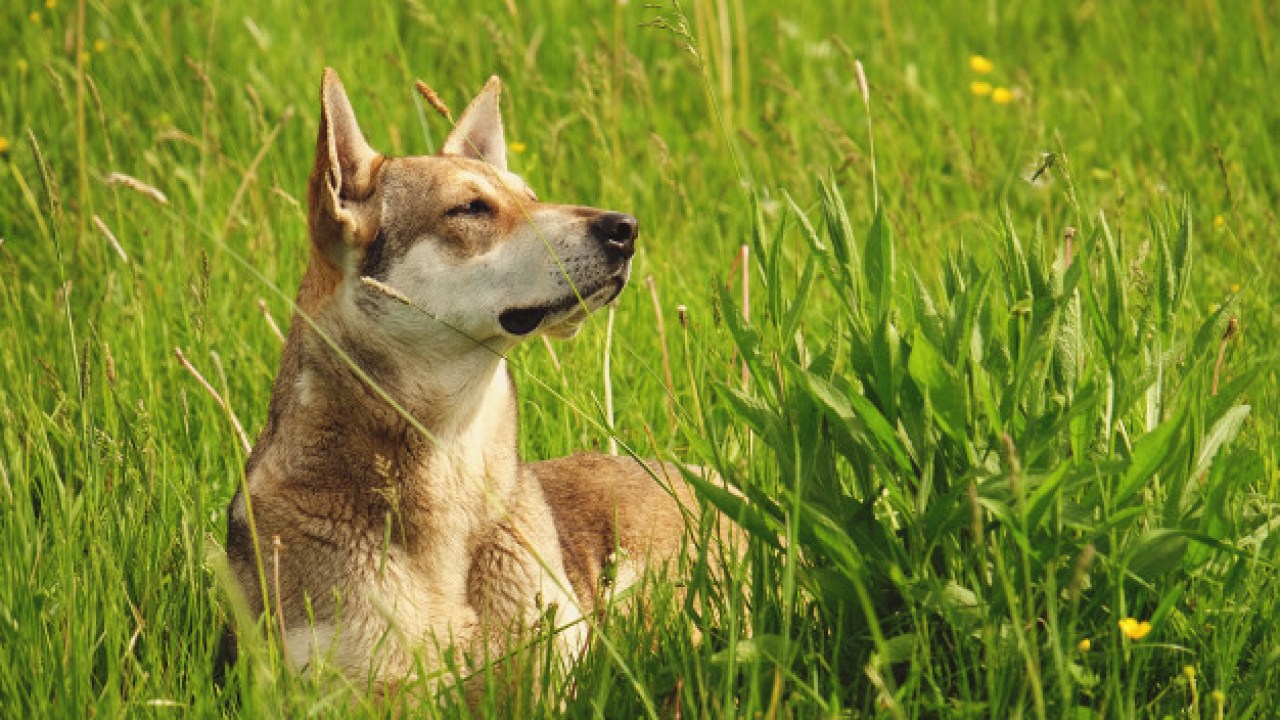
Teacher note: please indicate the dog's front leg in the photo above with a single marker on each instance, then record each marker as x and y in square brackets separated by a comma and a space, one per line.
[518, 583]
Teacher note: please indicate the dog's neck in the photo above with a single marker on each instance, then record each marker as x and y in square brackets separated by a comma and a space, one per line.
[433, 440]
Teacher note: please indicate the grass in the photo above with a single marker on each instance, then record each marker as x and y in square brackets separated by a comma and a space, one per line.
[970, 451]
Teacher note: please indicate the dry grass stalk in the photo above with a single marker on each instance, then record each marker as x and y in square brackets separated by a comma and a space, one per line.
[433, 99]
[387, 290]
[251, 173]
[235, 421]
[608, 382]
[136, 185]
[276, 546]
[863, 90]
[110, 362]
[1232, 326]
[555, 359]
[1012, 462]
[271, 322]
[111, 237]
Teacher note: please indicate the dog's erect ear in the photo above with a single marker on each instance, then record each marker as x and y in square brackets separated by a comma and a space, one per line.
[345, 164]
[478, 133]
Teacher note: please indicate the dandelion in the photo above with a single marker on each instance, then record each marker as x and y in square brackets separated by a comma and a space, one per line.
[981, 88]
[1190, 672]
[1084, 645]
[980, 64]
[518, 147]
[1219, 221]
[1235, 288]
[1134, 629]
[4, 145]
[51, 4]
[22, 66]
[1219, 698]
[1002, 96]
[35, 17]
[100, 46]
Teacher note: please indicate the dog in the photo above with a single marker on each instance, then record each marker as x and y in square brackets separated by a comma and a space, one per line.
[388, 515]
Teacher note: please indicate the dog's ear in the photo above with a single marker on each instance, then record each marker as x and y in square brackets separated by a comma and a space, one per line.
[345, 166]
[478, 134]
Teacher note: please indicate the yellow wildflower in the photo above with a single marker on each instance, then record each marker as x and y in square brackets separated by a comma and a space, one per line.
[1219, 698]
[980, 88]
[1235, 288]
[51, 4]
[1219, 221]
[99, 45]
[1084, 645]
[980, 65]
[1189, 671]
[1002, 96]
[518, 147]
[4, 145]
[22, 65]
[35, 17]
[1134, 629]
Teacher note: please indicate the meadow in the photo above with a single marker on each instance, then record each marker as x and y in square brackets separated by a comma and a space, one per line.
[996, 373]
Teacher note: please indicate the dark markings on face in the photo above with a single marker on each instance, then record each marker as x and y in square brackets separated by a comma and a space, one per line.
[376, 263]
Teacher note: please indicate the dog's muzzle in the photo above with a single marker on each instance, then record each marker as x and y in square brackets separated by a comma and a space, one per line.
[616, 232]
[522, 321]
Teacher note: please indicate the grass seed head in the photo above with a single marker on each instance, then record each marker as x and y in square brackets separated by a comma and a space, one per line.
[862, 82]
[133, 183]
[433, 100]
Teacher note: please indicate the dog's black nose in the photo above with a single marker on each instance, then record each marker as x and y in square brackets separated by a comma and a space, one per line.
[617, 231]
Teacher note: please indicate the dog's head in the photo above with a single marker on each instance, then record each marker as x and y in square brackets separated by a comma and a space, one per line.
[452, 246]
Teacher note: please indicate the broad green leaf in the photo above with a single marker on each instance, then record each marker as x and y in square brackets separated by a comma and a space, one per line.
[841, 232]
[1156, 553]
[877, 264]
[1117, 306]
[856, 411]
[1043, 493]
[898, 649]
[794, 311]
[941, 384]
[1149, 453]
[1222, 433]
[1182, 250]
[746, 513]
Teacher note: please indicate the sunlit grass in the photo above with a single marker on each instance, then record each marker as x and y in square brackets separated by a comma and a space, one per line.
[994, 468]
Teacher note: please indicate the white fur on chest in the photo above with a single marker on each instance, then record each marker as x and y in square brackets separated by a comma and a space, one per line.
[403, 604]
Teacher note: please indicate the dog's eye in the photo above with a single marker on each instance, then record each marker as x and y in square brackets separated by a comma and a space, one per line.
[475, 207]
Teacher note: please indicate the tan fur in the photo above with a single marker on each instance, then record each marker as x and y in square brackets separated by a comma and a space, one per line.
[387, 469]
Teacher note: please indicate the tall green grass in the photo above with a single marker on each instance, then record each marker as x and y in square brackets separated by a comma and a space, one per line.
[968, 449]
[971, 477]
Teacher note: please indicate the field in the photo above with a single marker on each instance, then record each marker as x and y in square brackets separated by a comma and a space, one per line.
[998, 378]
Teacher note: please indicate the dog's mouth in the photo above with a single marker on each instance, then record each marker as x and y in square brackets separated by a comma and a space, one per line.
[522, 321]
